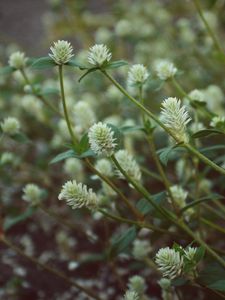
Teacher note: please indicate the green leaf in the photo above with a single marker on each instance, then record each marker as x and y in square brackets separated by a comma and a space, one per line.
[86, 73]
[121, 243]
[165, 153]
[74, 63]
[116, 64]
[11, 221]
[200, 253]
[63, 156]
[7, 70]
[88, 153]
[213, 276]
[206, 132]
[20, 138]
[145, 207]
[84, 143]
[179, 281]
[155, 84]
[43, 63]
[131, 128]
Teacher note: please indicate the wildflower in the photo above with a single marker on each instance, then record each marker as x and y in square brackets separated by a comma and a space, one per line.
[197, 95]
[104, 166]
[218, 122]
[17, 60]
[170, 262]
[175, 117]
[141, 249]
[7, 158]
[165, 69]
[32, 194]
[179, 195]
[137, 284]
[131, 295]
[10, 125]
[101, 139]
[74, 168]
[137, 74]
[190, 253]
[84, 115]
[61, 52]
[128, 164]
[98, 55]
[77, 195]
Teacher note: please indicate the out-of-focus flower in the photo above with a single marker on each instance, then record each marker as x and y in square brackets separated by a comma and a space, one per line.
[10, 125]
[98, 55]
[7, 158]
[218, 122]
[32, 194]
[190, 253]
[131, 295]
[137, 75]
[197, 95]
[74, 168]
[165, 69]
[104, 166]
[137, 284]
[17, 60]
[84, 115]
[141, 249]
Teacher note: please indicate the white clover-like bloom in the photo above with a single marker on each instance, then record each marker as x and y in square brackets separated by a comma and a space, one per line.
[101, 139]
[137, 284]
[128, 164]
[7, 158]
[190, 253]
[74, 168]
[32, 194]
[179, 195]
[197, 95]
[98, 55]
[218, 121]
[62, 52]
[123, 28]
[17, 60]
[137, 74]
[104, 166]
[77, 195]
[31, 104]
[10, 125]
[84, 115]
[141, 249]
[165, 69]
[175, 117]
[131, 295]
[170, 262]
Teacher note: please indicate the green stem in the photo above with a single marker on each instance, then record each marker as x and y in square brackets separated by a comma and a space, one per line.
[136, 213]
[151, 115]
[51, 270]
[208, 28]
[73, 137]
[151, 174]
[141, 190]
[213, 225]
[40, 97]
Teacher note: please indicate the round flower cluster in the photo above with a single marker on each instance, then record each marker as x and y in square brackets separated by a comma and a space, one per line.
[137, 284]
[10, 125]
[131, 295]
[170, 262]
[101, 139]
[62, 52]
[175, 117]
[98, 55]
[141, 249]
[7, 158]
[17, 60]
[137, 75]
[32, 194]
[128, 164]
[197, 95]
[104, 166]
[165, 69]
[77, 195]
[218, 122]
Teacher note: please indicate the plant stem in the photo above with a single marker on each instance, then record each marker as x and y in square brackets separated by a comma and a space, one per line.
[141, 190]
[42, 98]
[73, 137]
[208, 28]
[51, 270]
[151, 174]
[214, 211]
[136, 213]
[151, 115]
[213, 225]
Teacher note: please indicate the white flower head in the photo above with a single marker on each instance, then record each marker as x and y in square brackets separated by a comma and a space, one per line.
[104, 166]
[32, 194]
[197, 95]
[170, 262]
[10, 125]
[128, 164]
[137, 74]
[175, 117]
[101, 139]
[84, 115]
[165, 283]
[131, 295]
[179, 195]
[165, 69]
[77, 195]
[7, 158]
[218, 122]
[137, 284]
[17, 60]
[190, 253]
[141, 249]
[62, 52]
[98, 55]
[74, 168]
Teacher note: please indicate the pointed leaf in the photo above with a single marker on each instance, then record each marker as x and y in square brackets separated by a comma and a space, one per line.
[206, 132]
[43, 63]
